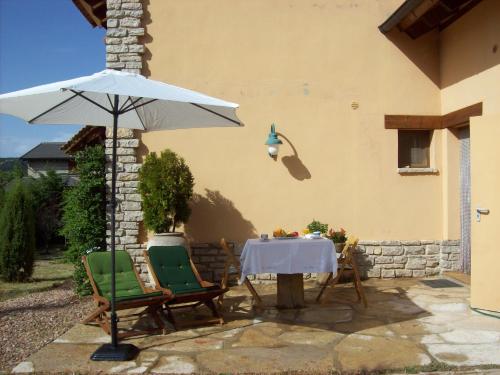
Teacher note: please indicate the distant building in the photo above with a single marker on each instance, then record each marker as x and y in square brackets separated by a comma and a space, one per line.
[47, 156]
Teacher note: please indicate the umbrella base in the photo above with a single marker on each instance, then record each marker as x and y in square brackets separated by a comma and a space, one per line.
[120, 352]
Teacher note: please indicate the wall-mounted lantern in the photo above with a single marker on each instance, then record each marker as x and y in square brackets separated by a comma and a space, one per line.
[273, 143]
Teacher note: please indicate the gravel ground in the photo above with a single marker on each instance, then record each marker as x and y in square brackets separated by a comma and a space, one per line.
[28, 323]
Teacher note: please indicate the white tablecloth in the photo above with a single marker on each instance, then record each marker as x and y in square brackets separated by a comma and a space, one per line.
[288, 256]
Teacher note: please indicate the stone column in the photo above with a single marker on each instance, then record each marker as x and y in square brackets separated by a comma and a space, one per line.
[124, 50]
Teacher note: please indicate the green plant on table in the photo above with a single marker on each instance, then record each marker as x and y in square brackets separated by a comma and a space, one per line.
[316, 226]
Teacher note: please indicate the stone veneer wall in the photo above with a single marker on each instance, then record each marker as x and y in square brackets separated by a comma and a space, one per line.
[385, 259]
[124, 50]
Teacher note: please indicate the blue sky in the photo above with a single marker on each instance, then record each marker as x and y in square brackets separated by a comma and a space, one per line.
[43, 41]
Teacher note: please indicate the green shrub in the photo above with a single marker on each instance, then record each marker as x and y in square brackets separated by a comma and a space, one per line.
[166, 186]
[17, 234]
[47, 194]
[84, 212]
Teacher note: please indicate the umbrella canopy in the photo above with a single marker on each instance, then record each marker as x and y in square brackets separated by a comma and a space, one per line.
[143, 103]
[125, 100]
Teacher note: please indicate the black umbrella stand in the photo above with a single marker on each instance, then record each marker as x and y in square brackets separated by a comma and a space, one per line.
[114, 351]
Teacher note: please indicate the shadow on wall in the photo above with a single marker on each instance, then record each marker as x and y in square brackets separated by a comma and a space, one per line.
[214, 216]
[146, 39]
[295, 167]
[423, 52]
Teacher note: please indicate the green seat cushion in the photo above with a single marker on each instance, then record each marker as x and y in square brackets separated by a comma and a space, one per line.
[126, 283]
[173, 269]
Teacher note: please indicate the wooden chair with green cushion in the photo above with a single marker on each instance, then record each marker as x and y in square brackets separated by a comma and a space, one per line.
[173, 272]
[130, 292]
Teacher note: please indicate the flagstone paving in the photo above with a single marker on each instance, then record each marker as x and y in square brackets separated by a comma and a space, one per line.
[406, 324]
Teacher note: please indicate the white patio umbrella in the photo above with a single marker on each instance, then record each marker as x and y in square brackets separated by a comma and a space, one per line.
[118, 99]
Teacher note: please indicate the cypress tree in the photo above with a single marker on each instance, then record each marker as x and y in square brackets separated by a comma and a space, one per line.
[17, 234]
[84, 213]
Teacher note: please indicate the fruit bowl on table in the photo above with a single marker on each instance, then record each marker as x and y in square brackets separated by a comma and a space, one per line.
[280, 234]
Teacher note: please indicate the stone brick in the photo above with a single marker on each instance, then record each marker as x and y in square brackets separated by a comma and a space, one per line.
[414, 250]
[400, 259]
[127, 176]
[374, 272]
[132, 167]
[384, 260]
[130, 57]
[392, 266]
[139, 48]
[418, 273]
[116, 33]
[133, 216]
[432, 271]
[112, 22]
[129, 225]
[131, 206]
[120, 48]
[427, 242]
[450, 249]
[139, 31]
[454, 257]
[377, 251]
[121, 133]
[111, 57]
[122, 151]
[410, 243]
[450, 243]
[111, 40]
[134, 197]
[432, 249]
[388, 273]
[416, 263]
[127, 159]
[432, 261]
[403, 273]
[133, 65]
[128, 143]
[131, 184]
[131, 6]
[390, 243]
[115, 65]
[129, 22]
[392, 250]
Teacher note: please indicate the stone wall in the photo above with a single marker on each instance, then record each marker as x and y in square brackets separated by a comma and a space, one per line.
[385, 259]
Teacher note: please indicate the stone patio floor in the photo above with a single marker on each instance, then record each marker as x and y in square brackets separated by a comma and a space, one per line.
[406, 324]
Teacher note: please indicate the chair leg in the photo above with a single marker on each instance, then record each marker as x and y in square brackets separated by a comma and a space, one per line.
[330, 275]
[170, 317]
[253, 291]
[215, 311]
[154, 312]
[357, 282]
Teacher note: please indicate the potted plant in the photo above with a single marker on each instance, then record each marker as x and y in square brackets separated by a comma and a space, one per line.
[166, 187]
[316, 226]
[338, 237]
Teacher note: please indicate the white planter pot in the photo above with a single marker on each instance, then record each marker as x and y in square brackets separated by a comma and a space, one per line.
[168, 239]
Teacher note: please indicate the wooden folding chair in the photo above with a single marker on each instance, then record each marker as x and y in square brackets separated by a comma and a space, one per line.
[233, 263]
[174, 273]
[347, 258]
[130, 292]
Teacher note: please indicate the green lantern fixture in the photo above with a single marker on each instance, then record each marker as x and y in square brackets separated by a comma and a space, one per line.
[273, 142]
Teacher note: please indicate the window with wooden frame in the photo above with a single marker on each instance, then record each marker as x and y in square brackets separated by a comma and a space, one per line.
[414, 148]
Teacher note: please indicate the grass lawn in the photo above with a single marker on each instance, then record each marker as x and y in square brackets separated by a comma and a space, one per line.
[50, 271]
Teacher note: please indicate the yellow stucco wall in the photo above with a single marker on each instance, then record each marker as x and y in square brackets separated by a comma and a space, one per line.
[299, 64]
[469, 73]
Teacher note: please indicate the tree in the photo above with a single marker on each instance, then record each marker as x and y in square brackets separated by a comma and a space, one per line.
[166, 186]
[84, 212]
[17, 234]
[47, 194]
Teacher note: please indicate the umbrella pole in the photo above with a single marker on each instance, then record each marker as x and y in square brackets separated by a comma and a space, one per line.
[114, 351]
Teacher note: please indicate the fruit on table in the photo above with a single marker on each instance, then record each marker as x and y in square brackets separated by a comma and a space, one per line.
[280, 232]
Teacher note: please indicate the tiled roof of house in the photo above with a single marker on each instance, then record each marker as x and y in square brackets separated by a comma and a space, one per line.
[46, 150]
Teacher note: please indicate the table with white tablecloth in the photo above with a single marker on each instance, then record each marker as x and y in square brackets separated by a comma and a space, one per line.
[289, 259]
